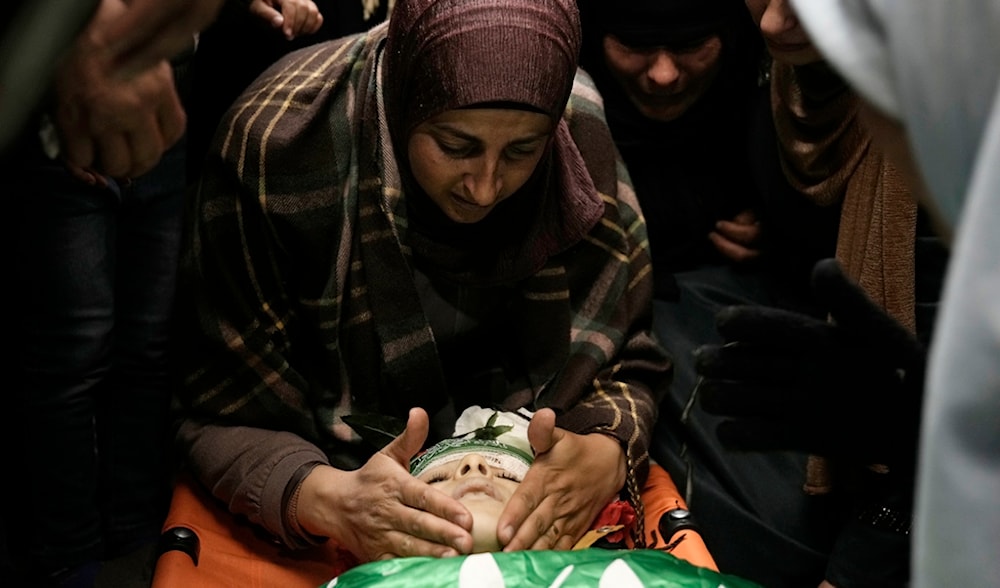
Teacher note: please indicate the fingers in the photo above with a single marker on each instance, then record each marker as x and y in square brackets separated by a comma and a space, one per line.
[435, 518]
[853, 309]
[732, 249]
[844, 298]
[735, 238]
[263, 11]
[559, 535]
[764, 324]
[743, 234]
[398, 544]
[522, 503]
[542, 431]
[114, 155]
[301, 17]
[752, 362]
[544, 528]
[423, 497]
[404, 447]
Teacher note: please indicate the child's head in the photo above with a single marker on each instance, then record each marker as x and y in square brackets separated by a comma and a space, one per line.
[480, 473]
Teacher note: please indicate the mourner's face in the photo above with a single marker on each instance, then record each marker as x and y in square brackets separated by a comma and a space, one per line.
[483, 489]
[471, 159]
[664, 82]
[786, 39]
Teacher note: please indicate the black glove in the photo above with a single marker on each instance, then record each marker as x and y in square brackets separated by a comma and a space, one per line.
[850, 387]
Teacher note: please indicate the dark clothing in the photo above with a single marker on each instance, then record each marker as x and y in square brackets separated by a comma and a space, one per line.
[95, 273]
[718, 159]
[751, 510]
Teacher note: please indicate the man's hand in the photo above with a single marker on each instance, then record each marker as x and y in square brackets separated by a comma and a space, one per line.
[737, 238]
[380, 511]
[110, 125]
[572, 479]
[292, 17]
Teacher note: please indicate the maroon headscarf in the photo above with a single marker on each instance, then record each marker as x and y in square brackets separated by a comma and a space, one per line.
[449, 54]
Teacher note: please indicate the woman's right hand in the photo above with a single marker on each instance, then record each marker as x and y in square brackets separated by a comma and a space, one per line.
[293, 17]
[380, 511]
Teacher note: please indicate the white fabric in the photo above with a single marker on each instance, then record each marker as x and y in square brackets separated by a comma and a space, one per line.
[935, 64]
[476, 417]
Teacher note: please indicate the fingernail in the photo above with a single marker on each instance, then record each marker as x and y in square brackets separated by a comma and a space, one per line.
[506, 534]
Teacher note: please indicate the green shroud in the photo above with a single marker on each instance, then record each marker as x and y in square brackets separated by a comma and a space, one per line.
[590, 568]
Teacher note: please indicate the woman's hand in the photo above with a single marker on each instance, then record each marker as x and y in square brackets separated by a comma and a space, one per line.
[737, 238]
[572, 479]
[292, 17]
[380, 511]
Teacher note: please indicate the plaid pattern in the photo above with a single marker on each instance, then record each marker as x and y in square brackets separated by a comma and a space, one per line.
[301, 304]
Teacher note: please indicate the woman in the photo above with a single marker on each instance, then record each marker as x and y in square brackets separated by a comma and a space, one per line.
[680, 82]
[687, 108]
[407, 218]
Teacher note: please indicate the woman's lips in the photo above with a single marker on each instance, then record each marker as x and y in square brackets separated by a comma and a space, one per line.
[461, 201]
[475, 487]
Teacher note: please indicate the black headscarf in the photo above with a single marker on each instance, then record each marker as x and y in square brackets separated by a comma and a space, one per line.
[695, 170]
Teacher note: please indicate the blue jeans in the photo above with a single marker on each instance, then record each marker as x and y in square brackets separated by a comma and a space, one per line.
[94, 273]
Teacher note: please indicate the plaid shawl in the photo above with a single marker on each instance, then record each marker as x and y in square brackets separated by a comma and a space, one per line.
[301, 305]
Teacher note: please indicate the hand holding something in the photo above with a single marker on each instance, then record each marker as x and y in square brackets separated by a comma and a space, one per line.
[109, 125]
[736, 238]
[572, 479]
[293, 17]
[153, 30]
[381, 511]
[849, 388]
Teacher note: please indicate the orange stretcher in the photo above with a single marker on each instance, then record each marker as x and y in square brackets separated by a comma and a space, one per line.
[204, 545]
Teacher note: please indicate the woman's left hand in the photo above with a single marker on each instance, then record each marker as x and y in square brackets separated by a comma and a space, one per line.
[738, 238]
[572, 479]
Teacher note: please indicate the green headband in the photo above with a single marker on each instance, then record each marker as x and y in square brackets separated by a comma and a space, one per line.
[498, 455]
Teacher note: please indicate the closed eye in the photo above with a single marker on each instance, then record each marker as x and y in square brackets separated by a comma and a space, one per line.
[457, 151]
[521, 150]
[437, 478]
[509, 476]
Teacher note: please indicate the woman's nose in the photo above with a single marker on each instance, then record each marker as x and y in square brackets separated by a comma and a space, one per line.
[473, 465]
[483, 185]
[662, 70]
[778, 18]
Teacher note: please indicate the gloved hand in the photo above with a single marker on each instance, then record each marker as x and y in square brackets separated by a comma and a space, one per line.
[850, 387]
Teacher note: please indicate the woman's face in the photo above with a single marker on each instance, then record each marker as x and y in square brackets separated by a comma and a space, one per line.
[469, 160]
[483, 489]
[663, 83]
[786, 39]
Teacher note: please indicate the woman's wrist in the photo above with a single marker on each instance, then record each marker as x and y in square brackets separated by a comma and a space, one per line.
[609, 449]
[316, 501]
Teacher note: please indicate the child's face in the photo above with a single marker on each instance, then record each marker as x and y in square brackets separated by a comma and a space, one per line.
[483, 489]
